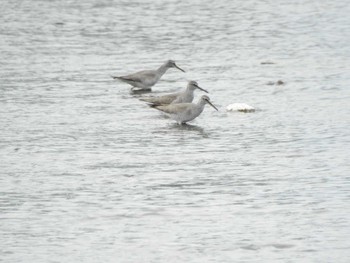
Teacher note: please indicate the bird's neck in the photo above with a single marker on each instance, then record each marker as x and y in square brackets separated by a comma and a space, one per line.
[201, 105]
[198, 109]
[162, 69]
[189, 90]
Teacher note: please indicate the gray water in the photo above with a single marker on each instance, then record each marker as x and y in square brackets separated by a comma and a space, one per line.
[91, 174]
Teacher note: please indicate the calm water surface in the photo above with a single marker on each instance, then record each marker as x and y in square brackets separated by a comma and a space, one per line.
[91, 174]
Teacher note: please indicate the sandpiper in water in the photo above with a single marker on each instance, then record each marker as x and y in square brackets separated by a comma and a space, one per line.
[185, 96]
[184, 112]
[144, 80]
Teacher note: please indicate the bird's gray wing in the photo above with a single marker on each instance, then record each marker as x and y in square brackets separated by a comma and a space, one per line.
[140, 76]
[174, 108]
[161, 100]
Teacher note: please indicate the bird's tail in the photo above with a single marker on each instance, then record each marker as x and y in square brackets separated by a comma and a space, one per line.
[151, 103]
[125, 79]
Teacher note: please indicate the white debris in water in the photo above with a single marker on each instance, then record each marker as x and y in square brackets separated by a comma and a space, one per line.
[243, 107]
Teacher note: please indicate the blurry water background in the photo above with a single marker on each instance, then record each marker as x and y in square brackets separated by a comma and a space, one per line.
[91, 174]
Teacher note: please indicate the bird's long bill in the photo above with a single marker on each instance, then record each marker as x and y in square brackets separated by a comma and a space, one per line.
[211, 104]
[202, 89]
[179, 68]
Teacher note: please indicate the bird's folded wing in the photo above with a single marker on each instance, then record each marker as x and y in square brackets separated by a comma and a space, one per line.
[174, 108]
[161, 100]
[139, 76]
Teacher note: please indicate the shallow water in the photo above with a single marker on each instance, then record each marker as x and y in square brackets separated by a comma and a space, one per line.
[91, 174]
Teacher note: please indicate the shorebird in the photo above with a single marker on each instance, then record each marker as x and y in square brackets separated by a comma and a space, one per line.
[145, 79]
[185, 96]
[184, 112]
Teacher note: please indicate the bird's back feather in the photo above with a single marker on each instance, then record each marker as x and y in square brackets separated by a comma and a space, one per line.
[174, 108]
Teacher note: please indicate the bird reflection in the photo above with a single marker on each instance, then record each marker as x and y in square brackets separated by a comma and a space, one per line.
[189, 127]
[140, 92]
